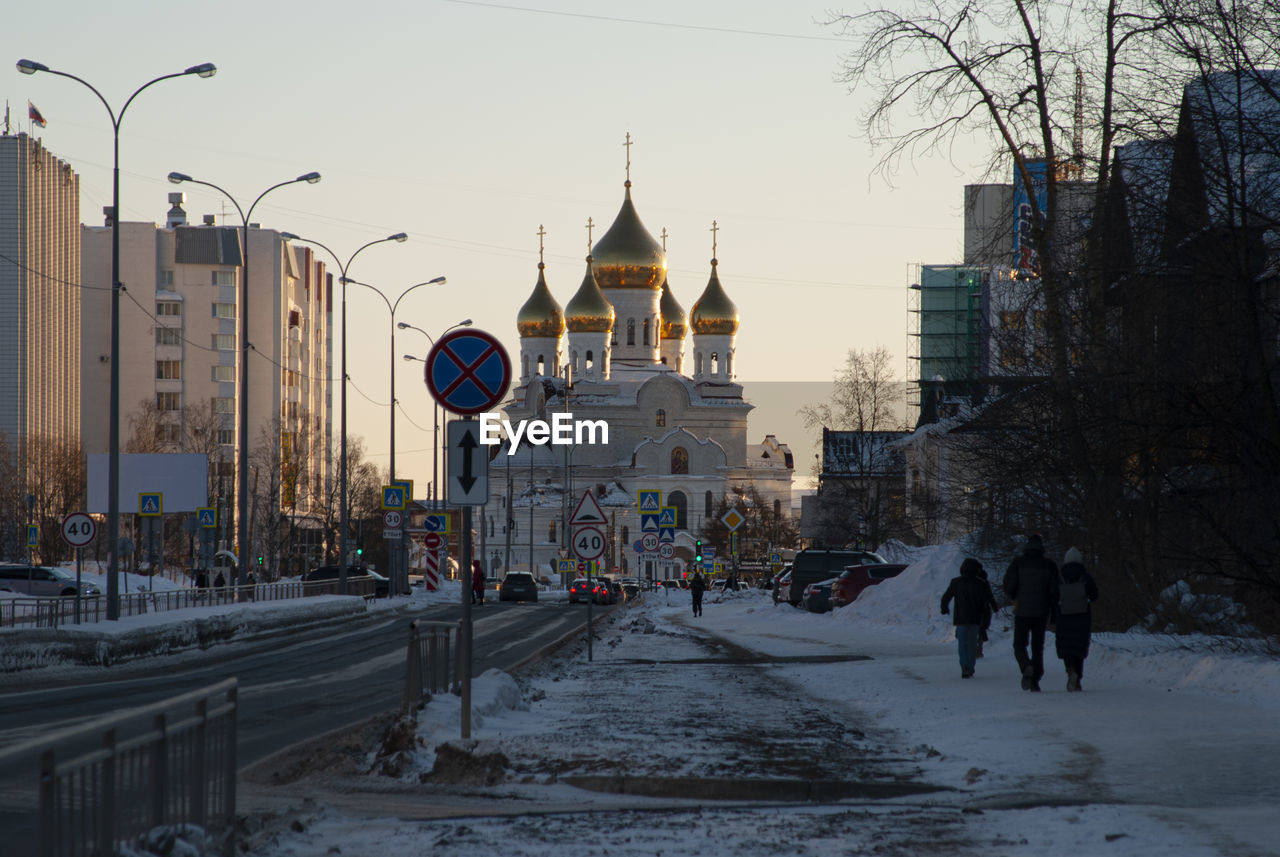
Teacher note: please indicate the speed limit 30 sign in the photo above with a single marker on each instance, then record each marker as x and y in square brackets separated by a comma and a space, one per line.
[588, 542]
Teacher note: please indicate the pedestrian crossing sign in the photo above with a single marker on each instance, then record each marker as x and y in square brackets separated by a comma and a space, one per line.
[151, 505]
[207, 516]
[648, 501]
[33, 535]
[667, 516]
[566, 566]
[393, 497]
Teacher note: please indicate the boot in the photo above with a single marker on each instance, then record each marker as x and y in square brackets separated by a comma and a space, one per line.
[1028, 677]
[1073, 681]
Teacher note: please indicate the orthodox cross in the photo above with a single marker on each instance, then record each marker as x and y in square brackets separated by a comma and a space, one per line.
[715, 227]
[590, 225]
[664, 239]
[627, 146]
[541, 233]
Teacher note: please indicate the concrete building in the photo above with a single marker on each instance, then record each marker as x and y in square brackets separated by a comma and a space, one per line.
[40, 298]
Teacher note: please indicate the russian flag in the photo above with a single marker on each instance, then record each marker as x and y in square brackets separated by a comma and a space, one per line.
[33, 113]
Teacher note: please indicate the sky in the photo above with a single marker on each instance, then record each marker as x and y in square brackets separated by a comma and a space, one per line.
[469, 125]
[1169, 749]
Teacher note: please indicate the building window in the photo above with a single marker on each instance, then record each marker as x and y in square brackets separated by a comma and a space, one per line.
[1012, 319]
[589, 363]
[222, 373]
[168, 336]
[709, 505]
[551, 530]
[631, 331]
[646, 331]
[168, 370]
[1039, 319]
[224, 342]
[169, 308]
[542, 365]
[679, 460]
[677, 501]
[224, 310]
[168, 401]
[660, 418]
[1012, 358]
[626, 535]
[227, 437]
[524, 365]
[168, 433]
[224, 404]
[166, 277]
[715, 363]
[224, 278]
[697, 363]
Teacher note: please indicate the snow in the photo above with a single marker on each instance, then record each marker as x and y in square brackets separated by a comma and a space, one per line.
[1171, 748]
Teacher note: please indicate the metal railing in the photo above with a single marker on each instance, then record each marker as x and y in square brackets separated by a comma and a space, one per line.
[51, 612]
[433, 664]
[168, 764]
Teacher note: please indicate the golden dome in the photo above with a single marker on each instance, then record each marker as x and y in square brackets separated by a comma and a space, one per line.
[540, 315]
[627, 256]
[714, 312]
[589, 311]
[674, 321]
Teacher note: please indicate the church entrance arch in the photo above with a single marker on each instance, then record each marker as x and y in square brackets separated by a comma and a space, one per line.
[681, 504]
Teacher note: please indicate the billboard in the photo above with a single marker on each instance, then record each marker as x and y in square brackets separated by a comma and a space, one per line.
[1024, 248]
[181, 477]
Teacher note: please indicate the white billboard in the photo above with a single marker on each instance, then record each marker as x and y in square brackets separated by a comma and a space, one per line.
[181, 477]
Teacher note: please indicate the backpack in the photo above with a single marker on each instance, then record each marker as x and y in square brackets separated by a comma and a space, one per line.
[1072, 597]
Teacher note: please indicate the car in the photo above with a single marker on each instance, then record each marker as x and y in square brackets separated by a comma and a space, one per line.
[854, 579]
[616, 595]
[518, 586]
[675, 583]
[595, 591]
[630, 586]
[812, 565]
[40, 580]
[381, 585]
[782, 585]
[723, 585]
[817, 596]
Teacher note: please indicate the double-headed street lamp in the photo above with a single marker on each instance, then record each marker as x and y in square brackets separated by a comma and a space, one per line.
[391, 308]
[435, 409]
[207, 69]
[242, 469]
[399, 238]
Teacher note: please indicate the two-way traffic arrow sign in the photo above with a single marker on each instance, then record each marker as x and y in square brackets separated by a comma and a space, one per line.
[468, 483]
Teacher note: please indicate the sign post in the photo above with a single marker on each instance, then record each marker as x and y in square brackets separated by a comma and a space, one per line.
[588, 523]
[78, 529]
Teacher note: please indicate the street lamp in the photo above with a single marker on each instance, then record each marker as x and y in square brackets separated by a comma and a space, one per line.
[207, 69]
[391, 308]
[399, 238]
[242, 467]
[435, 409]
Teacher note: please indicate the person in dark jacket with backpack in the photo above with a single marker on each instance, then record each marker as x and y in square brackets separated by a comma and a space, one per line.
[1031, 582]
[974, 602]
[1074, 619]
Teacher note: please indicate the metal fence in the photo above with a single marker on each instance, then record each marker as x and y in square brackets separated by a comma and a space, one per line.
[433, 664]
[107, 782]
[55, 611]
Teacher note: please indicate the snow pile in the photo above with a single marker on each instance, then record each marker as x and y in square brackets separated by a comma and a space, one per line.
[1177, 607]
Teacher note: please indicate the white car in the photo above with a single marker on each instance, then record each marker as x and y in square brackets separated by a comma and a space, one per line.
[40, 580]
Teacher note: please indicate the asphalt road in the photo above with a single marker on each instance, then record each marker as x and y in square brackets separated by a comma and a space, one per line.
[291, 688]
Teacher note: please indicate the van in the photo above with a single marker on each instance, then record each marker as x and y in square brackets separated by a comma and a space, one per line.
[39, 580]
[814, 565]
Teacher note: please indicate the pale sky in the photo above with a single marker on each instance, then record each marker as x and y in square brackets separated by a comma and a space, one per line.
[468, 125]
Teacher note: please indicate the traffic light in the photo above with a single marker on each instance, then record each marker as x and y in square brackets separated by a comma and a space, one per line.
[697, 551]
[259, 561]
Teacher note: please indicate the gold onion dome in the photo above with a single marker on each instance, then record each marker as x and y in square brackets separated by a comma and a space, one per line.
[540, 316]
[627, 256]
[714, 312]
[589, 311]
[674, 321]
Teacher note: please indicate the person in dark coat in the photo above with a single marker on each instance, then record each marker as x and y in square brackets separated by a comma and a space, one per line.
[697, 586]
[1031, 582]
[1074, 618]
[987, 613]
[974, 601]
[477, 583]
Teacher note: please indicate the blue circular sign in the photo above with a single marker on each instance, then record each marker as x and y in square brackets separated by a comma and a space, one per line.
[468, 371]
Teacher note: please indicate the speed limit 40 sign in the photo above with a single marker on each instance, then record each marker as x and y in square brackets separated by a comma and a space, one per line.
[588, 542]
[78, 529]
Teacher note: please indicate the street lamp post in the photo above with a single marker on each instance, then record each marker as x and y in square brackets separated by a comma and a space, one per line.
[243, 546]
[399, 238]
[207, 69]
[399, 584]
[435, 411]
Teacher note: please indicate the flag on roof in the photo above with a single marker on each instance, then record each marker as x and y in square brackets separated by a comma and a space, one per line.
[33, 113]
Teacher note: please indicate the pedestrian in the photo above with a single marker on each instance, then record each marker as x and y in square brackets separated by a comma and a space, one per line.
[1074, 620]
[219, 582]
[202, 579]
[1031, 582]
[477, 583]
[697, 586]
[973, 598]
[987, 614]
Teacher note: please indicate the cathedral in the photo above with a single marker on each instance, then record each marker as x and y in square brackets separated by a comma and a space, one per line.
[677, 423]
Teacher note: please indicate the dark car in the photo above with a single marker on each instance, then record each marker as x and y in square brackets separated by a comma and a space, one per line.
[813, 565]
[580, 590]
[518, 586]
[381, 585]
[855, 578]
[817, 596]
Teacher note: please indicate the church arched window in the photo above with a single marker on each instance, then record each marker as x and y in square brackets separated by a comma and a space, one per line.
[697, 362]
[715, 362]
[631, 331]
[679, 460]
[676, 499]
[524, 365]
[728, 364]
[660, 418]
[573, 362]
[590, 361]
[626, 535]
[542, 365]
[710, 507]
[551, 530]
[646, 331]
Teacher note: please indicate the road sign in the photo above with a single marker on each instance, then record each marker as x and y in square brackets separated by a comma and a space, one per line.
[667, 516]
[649, 542]
[588, 513]
[588, 542]
[468, 483]
[649, 522]
[207, 517]
[78, 529]
[468, 371]
[436, 523]
[566, 566]
[708, 551]
[667, 551]
[648, 501]
[432, 541]
[732, 519]
[33, 535]
[775, 559]
[407, 485]
[667, 535]
[393, 497]
[391, 519]
[150, 505]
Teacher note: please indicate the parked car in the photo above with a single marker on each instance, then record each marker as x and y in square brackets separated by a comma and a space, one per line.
[722, 584]
[580, 590]
[381, 585]
[616, 594]
[817, 596]
[782, 585]
[856, 578]
[518, 586]
[630, 586]
[40, 580]
[813, 565]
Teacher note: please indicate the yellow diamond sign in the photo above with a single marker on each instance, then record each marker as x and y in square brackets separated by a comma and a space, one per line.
[732, 519]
